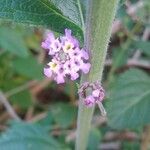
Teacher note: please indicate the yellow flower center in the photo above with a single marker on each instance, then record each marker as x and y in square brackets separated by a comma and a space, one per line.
[53, 66]
[68, 47]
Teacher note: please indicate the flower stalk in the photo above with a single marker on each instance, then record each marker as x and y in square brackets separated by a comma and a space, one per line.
[99, 20]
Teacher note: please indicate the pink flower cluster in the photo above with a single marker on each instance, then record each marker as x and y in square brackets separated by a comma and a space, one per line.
[92, 93]
[68, 59]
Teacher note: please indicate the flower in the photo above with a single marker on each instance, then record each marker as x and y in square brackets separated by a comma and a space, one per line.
[51, 44]
[68, 59]
[89, 101]
[54, 70]
[92, 93]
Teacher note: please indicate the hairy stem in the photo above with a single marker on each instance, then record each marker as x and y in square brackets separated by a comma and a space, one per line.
[98, 30]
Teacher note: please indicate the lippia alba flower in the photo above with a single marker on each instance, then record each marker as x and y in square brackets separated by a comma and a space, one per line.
[92, 93]
[68, 59]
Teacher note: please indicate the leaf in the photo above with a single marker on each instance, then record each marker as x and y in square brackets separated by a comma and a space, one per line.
[22, 99]
[131, 146]
[122, 2]
[28, 67]
[12, 41]
[71, 88]
[71, 9]
[143, 46]
[23, 136]
[121, 10]
[43, 12]
[63, 114]
[46, 121]
[120, 56]
[143, 13]
[130, 100]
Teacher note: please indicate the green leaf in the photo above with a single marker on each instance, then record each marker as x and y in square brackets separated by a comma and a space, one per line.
[71, 87]
[70, 9]
[121, 10]
[63, 114]
[23, 136]
[131, 146]
[143, 46]
[43, 12]
[22, 99]
[12, 41]
[28, 67]
[122, 2]
[120, 56]
[129, 104]
[46, 121]
[143, 13]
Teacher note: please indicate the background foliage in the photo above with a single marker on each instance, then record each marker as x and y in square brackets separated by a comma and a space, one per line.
[48, 111]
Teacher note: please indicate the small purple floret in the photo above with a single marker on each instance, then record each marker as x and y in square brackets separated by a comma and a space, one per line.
[89, 101]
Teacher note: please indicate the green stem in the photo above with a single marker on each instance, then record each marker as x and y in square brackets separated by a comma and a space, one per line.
[98, 30]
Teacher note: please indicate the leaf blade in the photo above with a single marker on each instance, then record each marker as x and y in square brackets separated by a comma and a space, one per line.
[38, 12]
[129, 105]
[25, 136]
[28, 67]
[143, 46]
[12, 41]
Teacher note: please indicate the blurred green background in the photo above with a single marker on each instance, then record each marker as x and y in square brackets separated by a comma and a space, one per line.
[49, 111]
